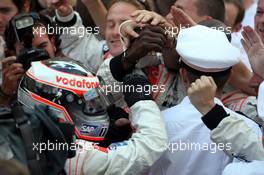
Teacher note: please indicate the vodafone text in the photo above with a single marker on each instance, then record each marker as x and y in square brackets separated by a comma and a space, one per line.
[77, 83]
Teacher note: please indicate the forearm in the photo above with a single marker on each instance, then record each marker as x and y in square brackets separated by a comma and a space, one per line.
[244, 143]
[140, 152]
[119, 69]
[234, 131]
[98, 12]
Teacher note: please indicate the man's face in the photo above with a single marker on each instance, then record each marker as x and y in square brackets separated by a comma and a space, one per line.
[7, 11]
[231, 12]
[117, 14]
[189, 7]
[40, 41]
[259, 19]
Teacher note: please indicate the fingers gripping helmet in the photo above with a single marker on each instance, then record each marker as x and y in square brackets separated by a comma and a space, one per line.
[71, 91]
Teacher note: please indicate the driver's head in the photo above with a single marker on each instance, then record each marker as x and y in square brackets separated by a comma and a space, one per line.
[71, 92]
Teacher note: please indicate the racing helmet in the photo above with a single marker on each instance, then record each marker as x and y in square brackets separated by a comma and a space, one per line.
[71, 92]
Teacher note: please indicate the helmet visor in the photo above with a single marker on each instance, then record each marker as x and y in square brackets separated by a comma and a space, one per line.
[94, 103]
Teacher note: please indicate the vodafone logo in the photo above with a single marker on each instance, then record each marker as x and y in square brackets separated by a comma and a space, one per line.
[83, 83]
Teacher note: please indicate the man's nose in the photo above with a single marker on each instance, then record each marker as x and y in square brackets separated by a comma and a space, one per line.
[116, 31]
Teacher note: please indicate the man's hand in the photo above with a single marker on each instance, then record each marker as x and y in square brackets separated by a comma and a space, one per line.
[202, 93]
[12, 73]
[179, 21]
[254, 48]
[149, 17]
[63, 6]
[180, 18]
[151, 38]
[127, 31]
[141, 18]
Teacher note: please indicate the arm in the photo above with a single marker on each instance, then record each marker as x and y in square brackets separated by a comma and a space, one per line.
[151, 38]
[75, 37]
[145, 146]
[233, 129]
[141, 151]
[143, 17]
[98, 13]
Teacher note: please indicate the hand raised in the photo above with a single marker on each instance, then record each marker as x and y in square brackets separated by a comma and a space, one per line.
[202, 93]
[254, 48]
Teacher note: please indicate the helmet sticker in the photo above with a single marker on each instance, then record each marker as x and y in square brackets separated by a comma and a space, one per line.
[38, 71]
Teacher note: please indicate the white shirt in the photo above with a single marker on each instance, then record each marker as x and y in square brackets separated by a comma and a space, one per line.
[237, 36]
[261, 100]
[250, 15]
[184, 125]
[242, 168]
[236, 41]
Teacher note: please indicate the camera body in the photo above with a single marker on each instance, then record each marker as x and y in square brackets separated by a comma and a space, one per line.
[23, 27]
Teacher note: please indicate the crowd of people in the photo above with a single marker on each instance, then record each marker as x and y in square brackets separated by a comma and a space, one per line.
[132, 87]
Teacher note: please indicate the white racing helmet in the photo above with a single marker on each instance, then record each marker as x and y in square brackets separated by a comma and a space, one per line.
[71, 92]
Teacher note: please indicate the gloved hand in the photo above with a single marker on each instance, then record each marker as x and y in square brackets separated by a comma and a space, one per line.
[120, 128]
[137, 93]
[151, 38]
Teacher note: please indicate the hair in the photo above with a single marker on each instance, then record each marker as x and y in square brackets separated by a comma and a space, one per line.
[218, 25]
[241, 9]
[220, 78]
[10, 36]
[213, 8]
[141, 5]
